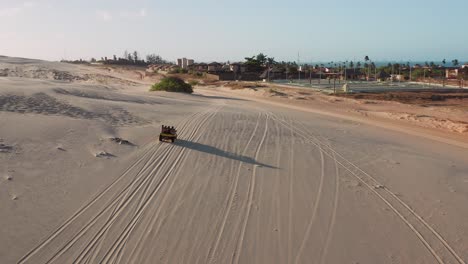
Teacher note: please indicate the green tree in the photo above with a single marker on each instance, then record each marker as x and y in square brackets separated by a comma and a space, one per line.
[261, 58]
[292, 69]
[155, 59]
[172, 84]
[271, 61]
[455, 62]
[366, 59]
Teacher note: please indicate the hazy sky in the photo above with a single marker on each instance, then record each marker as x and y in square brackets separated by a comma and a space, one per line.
[209, 30]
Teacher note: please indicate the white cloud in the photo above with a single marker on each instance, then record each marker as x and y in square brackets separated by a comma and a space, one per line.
[29, 4]
[16, 10]
[10, 11]
[140, 13]
[104, 15]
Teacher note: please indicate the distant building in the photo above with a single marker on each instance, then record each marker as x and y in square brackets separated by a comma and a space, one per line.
[383, 76]
[190, 62]
[199, 67]
[237, 67]
[184, 63]
[214, 67]
[451, 72]
[352, 74]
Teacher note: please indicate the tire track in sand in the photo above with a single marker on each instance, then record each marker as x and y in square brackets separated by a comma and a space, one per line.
[332, 221]
[147, 152]
[155, 217]
[120, 208]
[318, 202]
[80, 211]
[229, 205]
[251, 190]
[162, 157]
[95, 248]
[409, 217]
[174, 169]
[290, 191]
[117, 246]
[316, 206]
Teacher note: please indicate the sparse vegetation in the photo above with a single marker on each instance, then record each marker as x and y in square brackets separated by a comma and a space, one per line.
[155, 59]
[244, 85]
[172, 84]
[178, 71]
[275, 92]
[194, 82]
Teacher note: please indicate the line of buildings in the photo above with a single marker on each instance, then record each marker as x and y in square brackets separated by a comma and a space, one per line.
[242, 71]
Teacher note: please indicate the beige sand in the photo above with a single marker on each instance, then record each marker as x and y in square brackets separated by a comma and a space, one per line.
[251, 180]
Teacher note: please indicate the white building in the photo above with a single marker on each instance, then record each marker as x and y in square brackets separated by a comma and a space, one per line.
[184, 63]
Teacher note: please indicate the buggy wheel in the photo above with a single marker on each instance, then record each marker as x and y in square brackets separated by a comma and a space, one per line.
[173, 140]
[160, 138]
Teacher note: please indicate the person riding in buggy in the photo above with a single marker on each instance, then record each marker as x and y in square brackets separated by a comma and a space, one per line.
[168, 133]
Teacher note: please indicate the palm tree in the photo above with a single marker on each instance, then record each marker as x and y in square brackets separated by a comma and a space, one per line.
[410, 70]
[366, 58]
[443, 79]
[455, 62]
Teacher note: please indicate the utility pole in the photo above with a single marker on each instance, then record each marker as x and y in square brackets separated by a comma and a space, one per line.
[310, 75]
[424, 78]
[268, 72]
[410, 72]
[399, 73]
[298, 66]
[334, 84]
[393, 67]
[320, 73]
[345, 73]
[375, 72]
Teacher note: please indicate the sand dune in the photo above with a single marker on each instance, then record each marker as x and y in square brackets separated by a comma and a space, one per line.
[248, 181]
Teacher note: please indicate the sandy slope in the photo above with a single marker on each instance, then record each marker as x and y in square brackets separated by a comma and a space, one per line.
[247, 182]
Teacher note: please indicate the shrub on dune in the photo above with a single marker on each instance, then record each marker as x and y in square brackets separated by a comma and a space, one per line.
[172, 84]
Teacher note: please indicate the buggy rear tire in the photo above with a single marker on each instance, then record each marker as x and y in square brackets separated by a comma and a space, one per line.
[160, 138]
